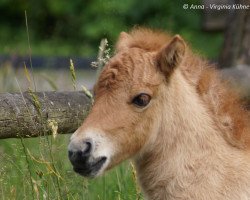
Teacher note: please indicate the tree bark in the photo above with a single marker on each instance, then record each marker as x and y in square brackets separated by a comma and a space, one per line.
[31, 114]
[236, 48]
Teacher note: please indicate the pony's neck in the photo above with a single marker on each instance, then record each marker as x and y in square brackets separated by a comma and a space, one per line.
[186, 141]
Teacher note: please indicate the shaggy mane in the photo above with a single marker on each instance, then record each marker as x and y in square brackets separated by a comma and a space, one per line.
[230, 115]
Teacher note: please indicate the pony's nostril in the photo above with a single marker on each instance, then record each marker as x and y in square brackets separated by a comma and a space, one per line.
[88, 148]
[79, 152]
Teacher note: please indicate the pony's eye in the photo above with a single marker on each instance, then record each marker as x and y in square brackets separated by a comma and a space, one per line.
[141, 100]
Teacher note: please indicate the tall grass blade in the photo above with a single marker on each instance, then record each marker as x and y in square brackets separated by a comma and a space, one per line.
[28, 37]
[73, 73]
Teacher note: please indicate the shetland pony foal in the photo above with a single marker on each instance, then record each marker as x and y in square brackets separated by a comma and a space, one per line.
[158, 103]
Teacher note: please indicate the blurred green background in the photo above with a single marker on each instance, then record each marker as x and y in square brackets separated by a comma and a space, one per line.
[62, 27]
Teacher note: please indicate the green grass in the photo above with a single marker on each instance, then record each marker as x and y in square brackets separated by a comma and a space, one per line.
[38, 168]
[20, 171]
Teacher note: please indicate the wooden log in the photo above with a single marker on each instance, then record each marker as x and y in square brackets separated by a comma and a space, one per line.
[31, 114]
[37, 114]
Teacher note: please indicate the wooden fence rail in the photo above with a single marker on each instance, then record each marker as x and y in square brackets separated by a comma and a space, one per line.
[31, 114]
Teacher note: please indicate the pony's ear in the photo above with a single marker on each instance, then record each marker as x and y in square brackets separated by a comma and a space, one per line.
[170, 56]
[122, 41]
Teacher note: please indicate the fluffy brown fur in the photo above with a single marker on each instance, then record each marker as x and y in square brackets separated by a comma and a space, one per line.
[191, 141]
[225, 103]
